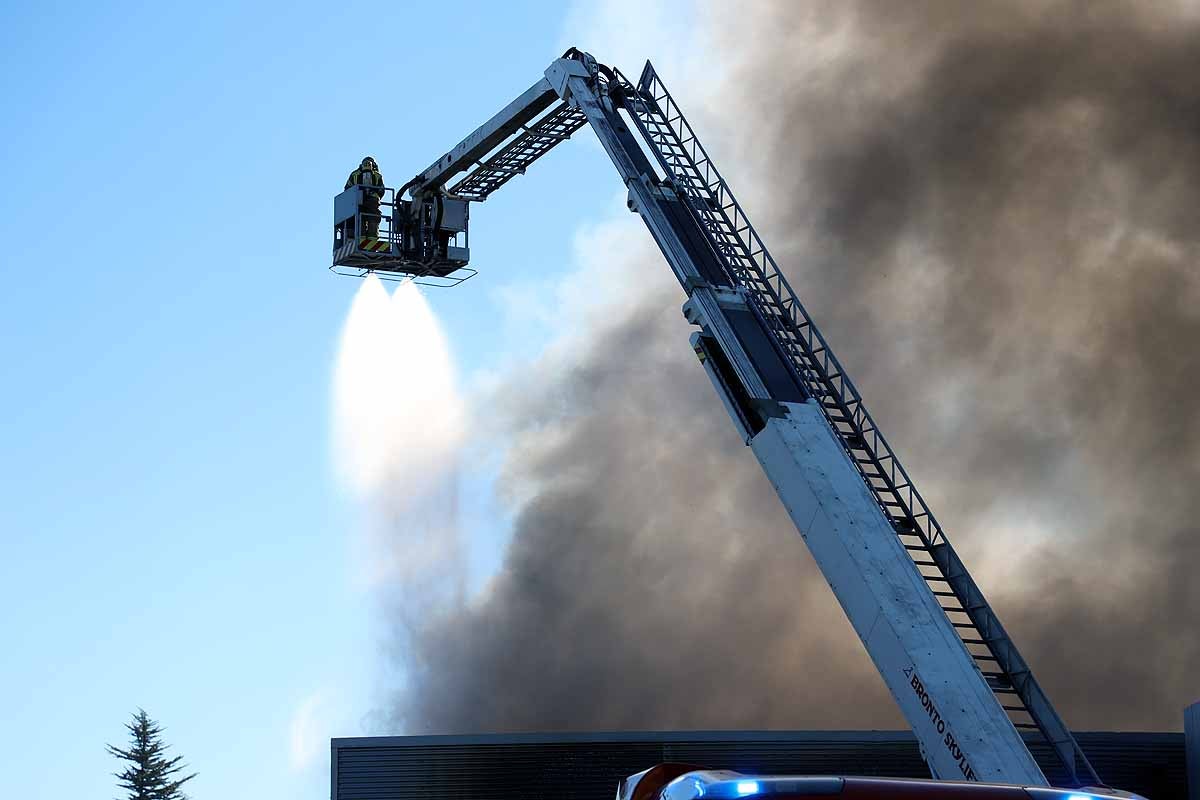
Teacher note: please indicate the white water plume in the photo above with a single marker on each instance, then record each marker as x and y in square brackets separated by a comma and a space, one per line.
[398, 414]
[398, 428]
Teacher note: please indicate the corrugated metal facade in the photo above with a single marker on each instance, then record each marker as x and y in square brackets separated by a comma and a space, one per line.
[1191, 727]
[587, 766]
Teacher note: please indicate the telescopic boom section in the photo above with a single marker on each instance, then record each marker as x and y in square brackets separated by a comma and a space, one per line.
[931, 685]
[952, 669]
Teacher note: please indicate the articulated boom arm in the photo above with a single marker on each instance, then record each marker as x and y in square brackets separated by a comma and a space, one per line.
[534, 141]
[949, 664]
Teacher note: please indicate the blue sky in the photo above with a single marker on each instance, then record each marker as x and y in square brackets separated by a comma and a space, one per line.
[174, 537]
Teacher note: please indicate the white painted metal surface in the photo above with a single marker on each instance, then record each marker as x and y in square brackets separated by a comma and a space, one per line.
[915, 648]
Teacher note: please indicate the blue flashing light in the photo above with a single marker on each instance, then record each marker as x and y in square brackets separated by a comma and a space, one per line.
[1080, 797]
[751, 787]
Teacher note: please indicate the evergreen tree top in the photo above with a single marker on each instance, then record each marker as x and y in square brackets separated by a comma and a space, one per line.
[149, 775]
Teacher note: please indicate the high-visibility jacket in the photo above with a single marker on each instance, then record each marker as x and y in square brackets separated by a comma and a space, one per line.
[370, 178]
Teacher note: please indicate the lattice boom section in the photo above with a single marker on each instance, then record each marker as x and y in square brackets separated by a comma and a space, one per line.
[516, 156]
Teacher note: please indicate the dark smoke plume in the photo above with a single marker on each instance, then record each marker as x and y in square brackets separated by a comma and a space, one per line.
[993, 210]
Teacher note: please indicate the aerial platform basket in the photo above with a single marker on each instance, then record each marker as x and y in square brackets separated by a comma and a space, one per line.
[421, 240]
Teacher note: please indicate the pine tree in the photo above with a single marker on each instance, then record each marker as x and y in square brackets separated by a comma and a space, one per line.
[150, 775]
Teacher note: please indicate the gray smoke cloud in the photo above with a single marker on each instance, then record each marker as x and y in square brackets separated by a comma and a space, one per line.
[993, 211]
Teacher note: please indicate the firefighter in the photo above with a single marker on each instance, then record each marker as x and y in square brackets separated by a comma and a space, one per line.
[368, 175]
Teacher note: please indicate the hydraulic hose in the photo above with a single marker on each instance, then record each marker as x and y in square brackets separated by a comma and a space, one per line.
[416, 179]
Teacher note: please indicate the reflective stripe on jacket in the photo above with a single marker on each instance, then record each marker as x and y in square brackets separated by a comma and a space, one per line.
[366, 178]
